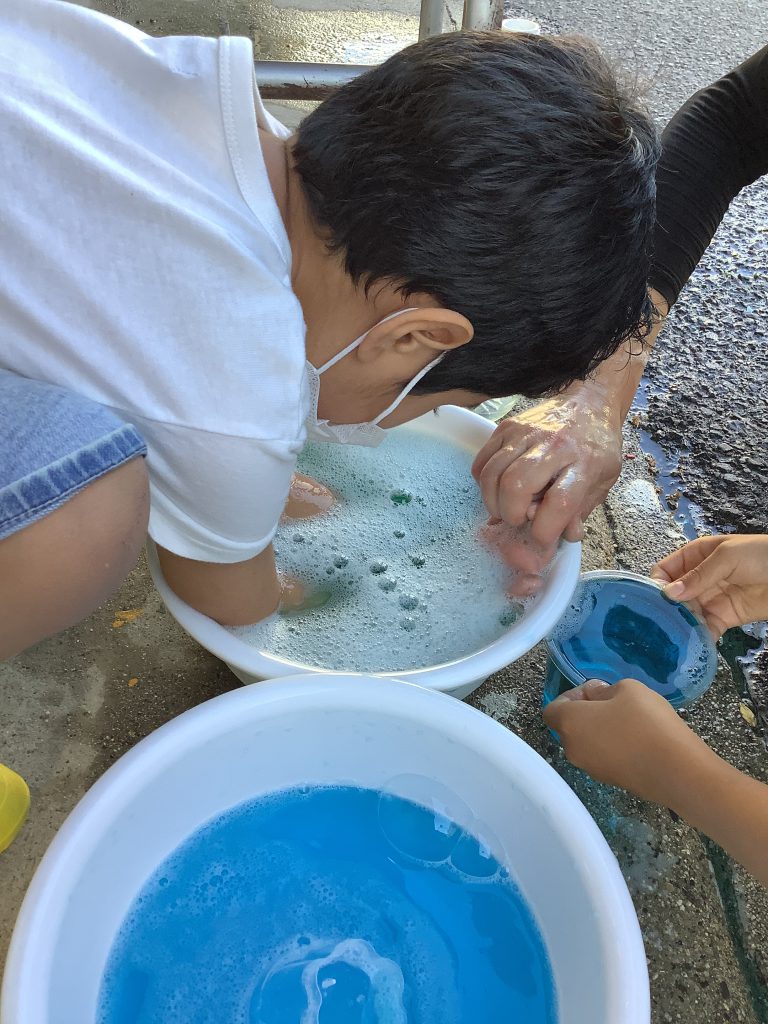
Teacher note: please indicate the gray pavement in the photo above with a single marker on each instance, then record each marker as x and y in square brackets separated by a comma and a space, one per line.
[73, 704]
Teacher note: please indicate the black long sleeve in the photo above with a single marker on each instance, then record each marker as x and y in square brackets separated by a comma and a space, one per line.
[714, 145]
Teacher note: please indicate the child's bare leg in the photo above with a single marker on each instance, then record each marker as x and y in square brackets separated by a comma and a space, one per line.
[58, 569]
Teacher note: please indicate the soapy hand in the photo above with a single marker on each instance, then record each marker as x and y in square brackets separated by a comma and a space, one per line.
[552, 465]
[626, 735]
[521, 552]
[723, 579]
[307, 498]
[292, 594]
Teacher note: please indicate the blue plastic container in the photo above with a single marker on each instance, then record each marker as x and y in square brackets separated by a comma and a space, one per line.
[620, 625]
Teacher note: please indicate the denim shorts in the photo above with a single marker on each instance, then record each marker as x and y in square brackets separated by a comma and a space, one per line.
[53, 443]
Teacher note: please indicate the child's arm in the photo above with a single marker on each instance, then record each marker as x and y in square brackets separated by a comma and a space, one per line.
[556, 462]
[724, 579]
[627, 735]
[234, 594]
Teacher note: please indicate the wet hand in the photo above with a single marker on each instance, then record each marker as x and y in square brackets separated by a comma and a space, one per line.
[307, 498]
[292, 594]
[519, 550]
[552, 465]
[723, 579]
[626, 735]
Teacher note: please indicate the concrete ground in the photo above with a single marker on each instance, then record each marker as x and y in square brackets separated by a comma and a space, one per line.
[72, 705]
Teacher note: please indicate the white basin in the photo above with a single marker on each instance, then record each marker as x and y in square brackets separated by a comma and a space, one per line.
[459, 677]
[324, 729]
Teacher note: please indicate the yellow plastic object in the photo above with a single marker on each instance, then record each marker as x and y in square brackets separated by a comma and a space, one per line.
[14, 804]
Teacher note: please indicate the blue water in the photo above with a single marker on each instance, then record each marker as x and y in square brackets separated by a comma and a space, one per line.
[329, 905]
[616, 629]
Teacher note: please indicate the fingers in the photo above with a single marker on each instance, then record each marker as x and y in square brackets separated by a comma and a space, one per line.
[562, 508]
[574, 531]
[598, 689]
[520, 552]
[505, 434]
[587, 691]
[525, 585]
[713, 570]
[491, 446]
[685, 558]
[506, 492]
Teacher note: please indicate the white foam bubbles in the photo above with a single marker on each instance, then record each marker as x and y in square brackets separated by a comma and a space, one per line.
[396, 575]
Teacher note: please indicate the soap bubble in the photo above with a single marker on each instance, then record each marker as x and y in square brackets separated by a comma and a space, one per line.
[420, 818]
[360, 627]
[474, 856]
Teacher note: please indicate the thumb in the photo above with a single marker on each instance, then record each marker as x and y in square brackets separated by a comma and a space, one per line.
[598, 689]
[574, 531]
[559, 709]
[700, 578]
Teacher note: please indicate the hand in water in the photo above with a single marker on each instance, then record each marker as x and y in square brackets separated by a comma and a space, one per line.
[723, 579]
[626, 735]
[292, 594]
[552, 465]
[307, 498]
[296, 597]
[523, 554]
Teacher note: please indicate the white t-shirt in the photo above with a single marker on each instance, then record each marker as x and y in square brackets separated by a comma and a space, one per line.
[144, 263]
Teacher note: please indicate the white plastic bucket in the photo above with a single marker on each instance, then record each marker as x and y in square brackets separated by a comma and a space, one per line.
[329, 729]
[459, 677]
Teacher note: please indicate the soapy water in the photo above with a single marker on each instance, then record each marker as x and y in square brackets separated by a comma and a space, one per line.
[331, 905]
[396, 574]
[617, 629]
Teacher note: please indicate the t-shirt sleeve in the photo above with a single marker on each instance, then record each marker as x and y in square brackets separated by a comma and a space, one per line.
[215, 498]
[715, 145]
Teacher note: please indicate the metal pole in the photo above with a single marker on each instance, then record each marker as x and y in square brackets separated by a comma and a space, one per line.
[483, 14]
[294, 80]
[431, 20]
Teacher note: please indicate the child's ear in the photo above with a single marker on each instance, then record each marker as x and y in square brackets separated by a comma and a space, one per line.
[430, 330]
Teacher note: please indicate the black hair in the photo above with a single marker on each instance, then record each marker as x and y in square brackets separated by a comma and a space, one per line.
[510, 177]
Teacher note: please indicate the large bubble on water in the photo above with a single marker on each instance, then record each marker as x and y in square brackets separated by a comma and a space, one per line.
[435, 826]
[428, 826]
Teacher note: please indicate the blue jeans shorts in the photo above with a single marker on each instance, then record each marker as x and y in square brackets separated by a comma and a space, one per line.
[53, 443]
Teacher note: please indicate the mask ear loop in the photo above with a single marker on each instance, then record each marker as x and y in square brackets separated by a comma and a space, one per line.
[358, 341]
[406, 391]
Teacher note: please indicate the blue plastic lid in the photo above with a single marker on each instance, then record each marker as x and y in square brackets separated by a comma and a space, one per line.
[620, 625]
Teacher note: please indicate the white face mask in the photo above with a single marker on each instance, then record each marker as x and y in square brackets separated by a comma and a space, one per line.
[368, 434]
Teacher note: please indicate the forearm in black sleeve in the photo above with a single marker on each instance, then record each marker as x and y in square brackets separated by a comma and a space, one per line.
[714, 145]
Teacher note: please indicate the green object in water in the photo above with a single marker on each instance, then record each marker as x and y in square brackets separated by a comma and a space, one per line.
[401, 497]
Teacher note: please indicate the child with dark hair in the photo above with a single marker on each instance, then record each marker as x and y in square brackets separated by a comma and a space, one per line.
[185, 281]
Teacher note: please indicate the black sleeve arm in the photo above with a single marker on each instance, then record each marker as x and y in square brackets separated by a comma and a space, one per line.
[714, 145]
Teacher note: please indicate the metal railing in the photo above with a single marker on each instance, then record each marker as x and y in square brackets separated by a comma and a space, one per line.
[296, 80]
